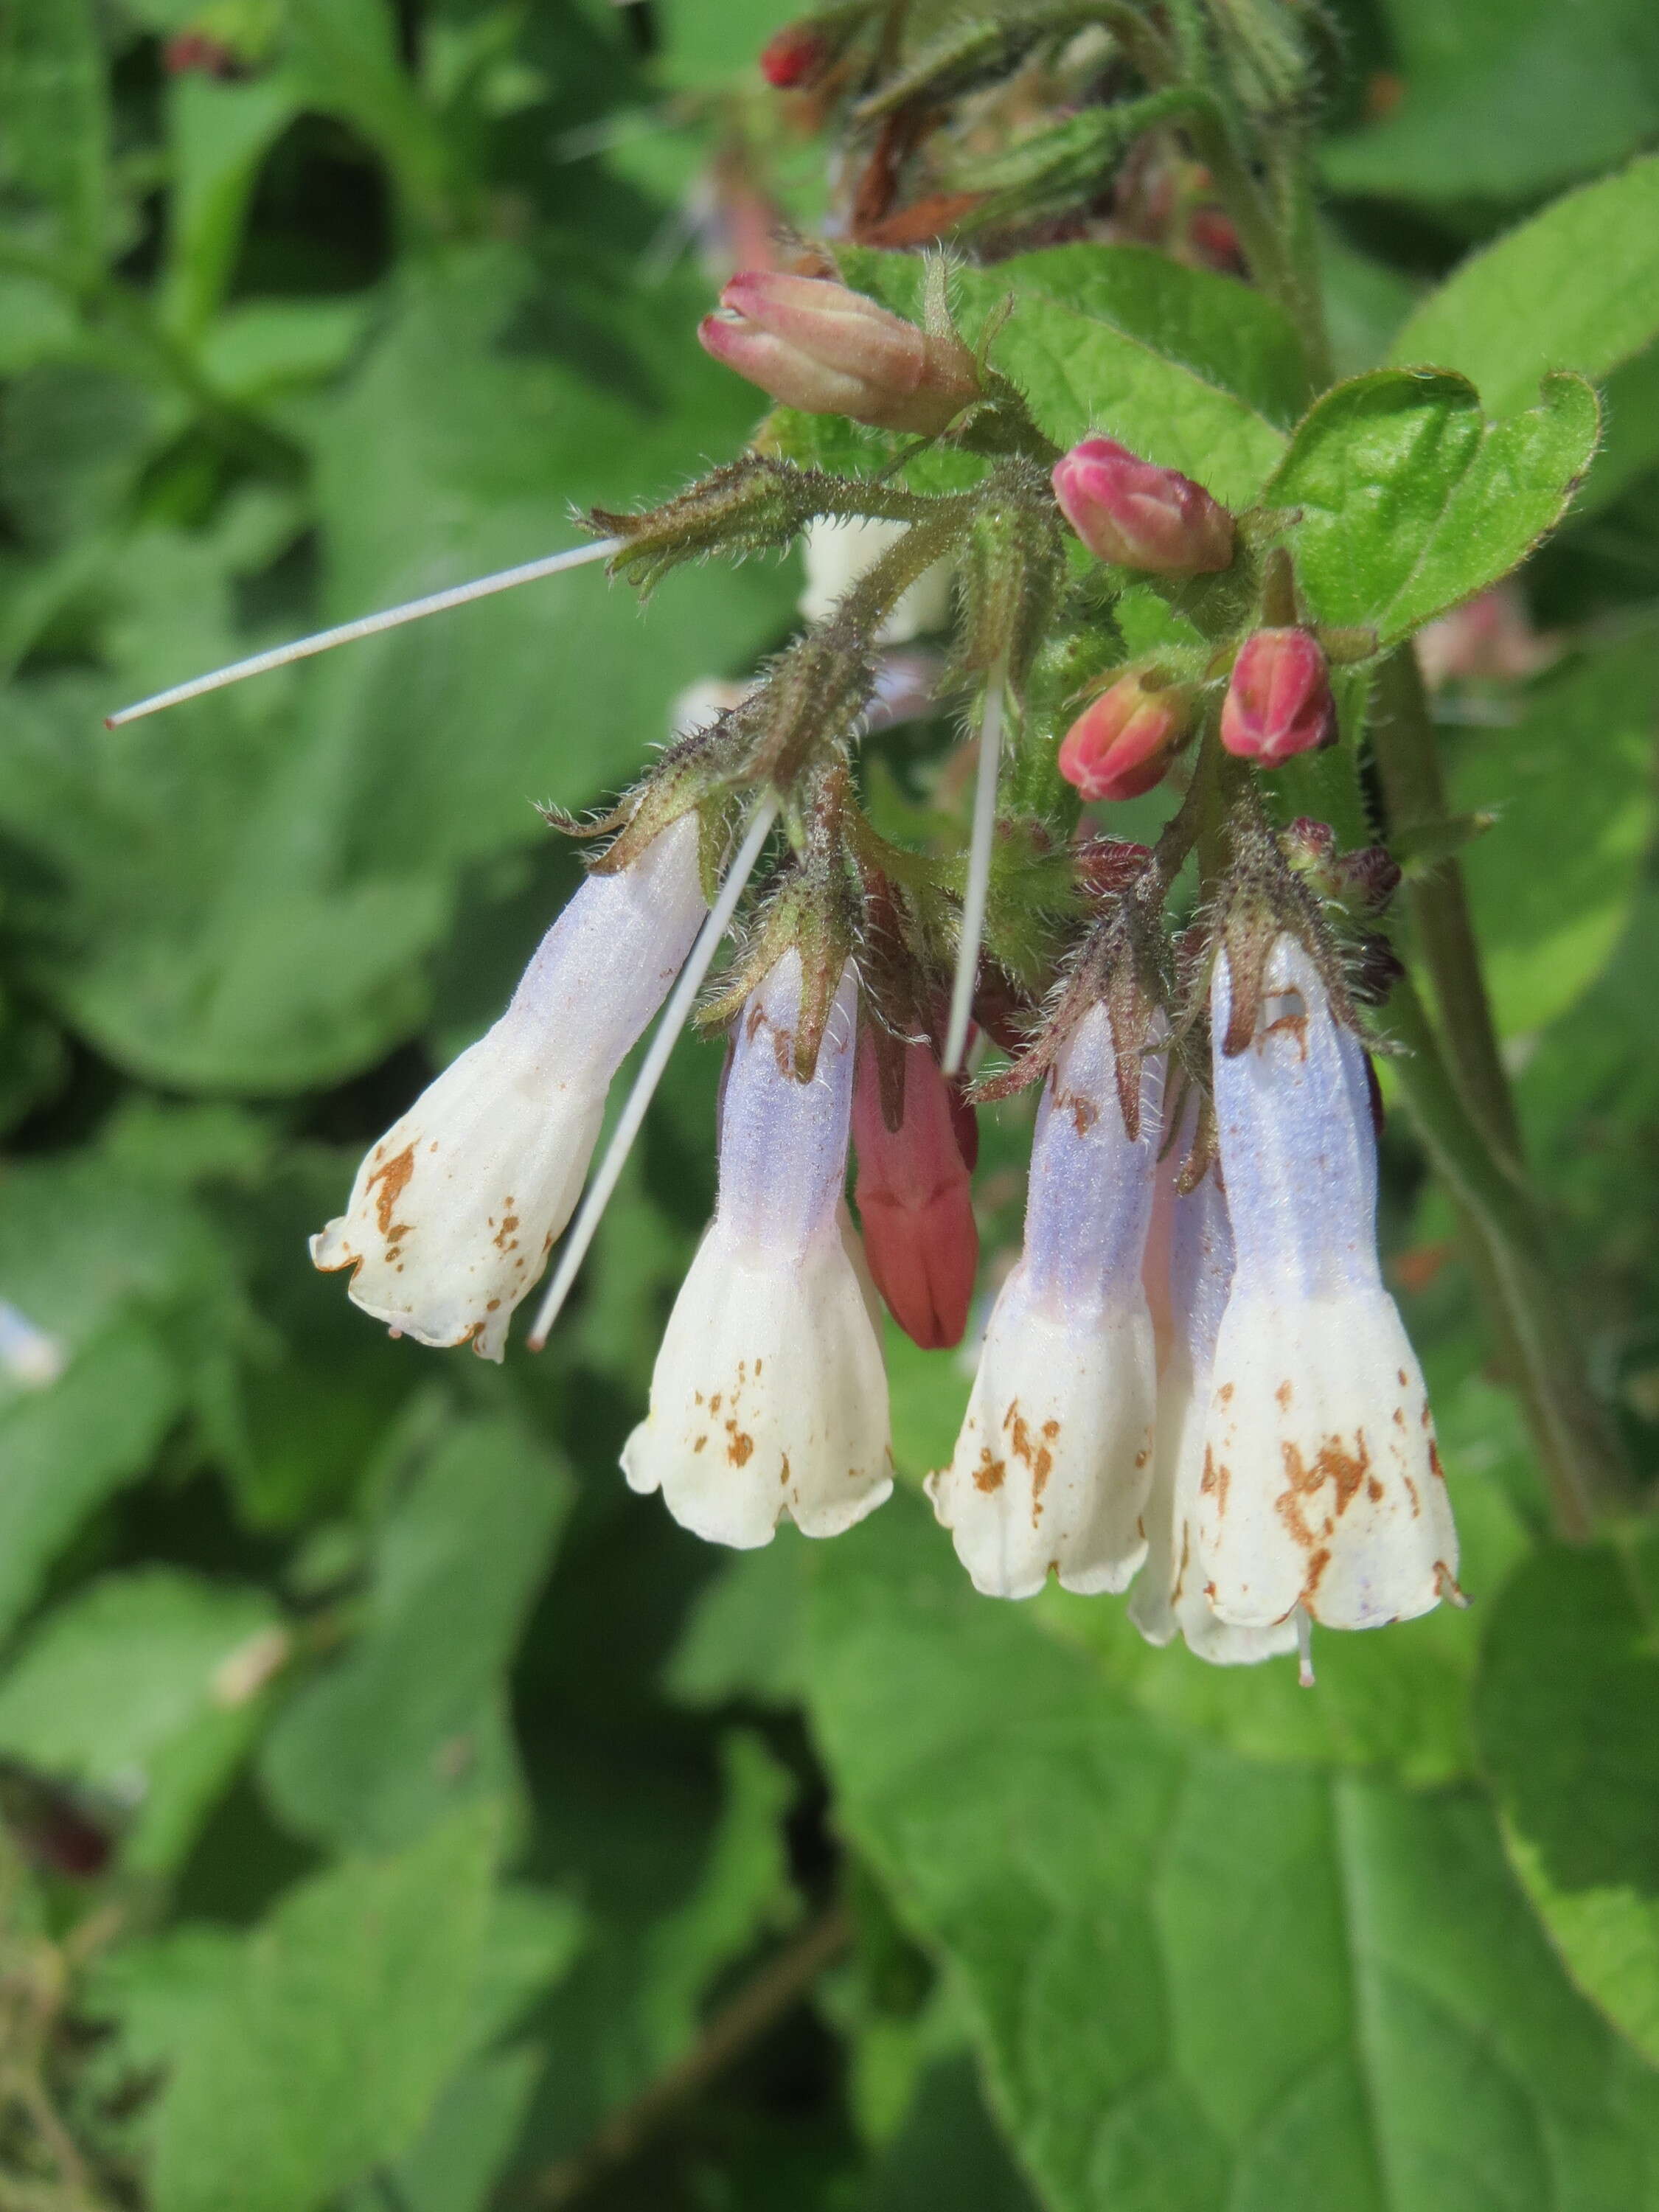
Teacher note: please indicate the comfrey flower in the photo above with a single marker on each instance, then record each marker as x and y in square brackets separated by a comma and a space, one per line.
[769, 1396]
[1168, 1597]
[454, 1213]
[1053, 1462]
[1320, 1487]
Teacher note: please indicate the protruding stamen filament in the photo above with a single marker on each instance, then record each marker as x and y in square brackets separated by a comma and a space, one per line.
[1304, 1666]
[302, 648]
[632, 1118]
[977, 888]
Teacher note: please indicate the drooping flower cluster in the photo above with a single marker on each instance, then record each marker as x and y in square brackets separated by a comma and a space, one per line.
[1192, 1379]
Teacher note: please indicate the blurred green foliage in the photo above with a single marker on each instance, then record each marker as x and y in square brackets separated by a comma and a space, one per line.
[392, 1802]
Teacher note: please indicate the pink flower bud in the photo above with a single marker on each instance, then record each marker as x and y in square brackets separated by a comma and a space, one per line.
[792, 56]
[1120, 744]
[914, 1201]
[815, 345]
[1125, 510]
[1278, 701]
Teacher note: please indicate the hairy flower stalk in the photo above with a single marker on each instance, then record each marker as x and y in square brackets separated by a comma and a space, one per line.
[1052, 1466]
[769, 1397]
[1169, 1598]
[454, 1213]
[1320, 1487]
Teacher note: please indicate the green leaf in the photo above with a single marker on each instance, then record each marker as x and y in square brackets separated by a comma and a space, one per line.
[1197, 1981]
[1505, 100]
[413, 1720]
[145, 1685]
[1568, 1711]
[1572, 787]
[241, 894]
[1409, 501]
[344, 2013]
[54, 111]
[65, 1450]
[1576, 287]
[218, 135]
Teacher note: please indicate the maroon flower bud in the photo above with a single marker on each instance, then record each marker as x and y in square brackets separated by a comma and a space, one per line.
[1278, 701]
[1121, 744]
[815, 345]
[915, 1200]
[1125, 510]
[792, 56]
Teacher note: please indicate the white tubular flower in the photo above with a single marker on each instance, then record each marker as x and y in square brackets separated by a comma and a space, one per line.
[838, 553]
[454, 1213]
[1168, 1599]
[1320, 1487]
[769, 1396]
[1053, 1462]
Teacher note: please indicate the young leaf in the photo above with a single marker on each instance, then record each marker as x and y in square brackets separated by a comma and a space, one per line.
[1408, 500]
[1576, 287]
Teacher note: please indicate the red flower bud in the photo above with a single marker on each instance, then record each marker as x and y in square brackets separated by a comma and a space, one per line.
[1120, 744]
[815, 345]
[913, 1198]
[1125, 510]
[1278, 701]
[793, 55]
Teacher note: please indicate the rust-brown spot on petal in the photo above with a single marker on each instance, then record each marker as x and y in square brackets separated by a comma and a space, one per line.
[1214, 1481]
[987, 1475]
[391, 1177]
[1334, 1464]
[1284, 1394]
[739, 1450]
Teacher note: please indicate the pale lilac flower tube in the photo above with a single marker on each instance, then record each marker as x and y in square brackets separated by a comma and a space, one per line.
[1053, 1465]
[454, 1213]
[769, 1397]
[1320, 1486]
[1168, 1597]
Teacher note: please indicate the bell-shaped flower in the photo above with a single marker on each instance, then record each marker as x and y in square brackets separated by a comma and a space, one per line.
[1320, 1486]
[769, 1396]
[1053, 1462]
[454, 1213]
[915, 1199]
[1169, 1598]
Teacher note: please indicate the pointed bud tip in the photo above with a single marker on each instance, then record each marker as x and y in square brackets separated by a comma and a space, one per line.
[1279, 700]
[1122, 743]
[1137, 516]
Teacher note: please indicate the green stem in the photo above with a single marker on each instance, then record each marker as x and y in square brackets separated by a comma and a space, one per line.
[1459, 1094]
[1415, 797]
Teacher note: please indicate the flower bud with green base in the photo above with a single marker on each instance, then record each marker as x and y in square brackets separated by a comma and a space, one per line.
[816, 344]
[1123, 742]
[1138, 516]
[1279, 700]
